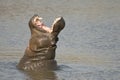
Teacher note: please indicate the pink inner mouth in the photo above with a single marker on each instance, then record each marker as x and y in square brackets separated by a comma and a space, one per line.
[40, 24]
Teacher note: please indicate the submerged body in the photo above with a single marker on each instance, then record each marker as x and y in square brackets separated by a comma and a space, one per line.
[40, 53]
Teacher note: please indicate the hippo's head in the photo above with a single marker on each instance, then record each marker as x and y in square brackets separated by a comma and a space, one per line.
[56, 27]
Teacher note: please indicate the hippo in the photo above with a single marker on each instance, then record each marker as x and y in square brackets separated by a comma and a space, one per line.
[40, 52]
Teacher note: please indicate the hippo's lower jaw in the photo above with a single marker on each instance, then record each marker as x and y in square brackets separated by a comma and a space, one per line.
[39, 65]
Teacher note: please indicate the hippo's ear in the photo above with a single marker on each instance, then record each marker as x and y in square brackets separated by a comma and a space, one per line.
[58, 25]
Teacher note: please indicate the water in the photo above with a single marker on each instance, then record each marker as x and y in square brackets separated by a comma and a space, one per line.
[88, 47]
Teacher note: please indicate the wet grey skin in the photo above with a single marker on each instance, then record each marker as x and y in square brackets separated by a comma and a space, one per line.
[40, 53]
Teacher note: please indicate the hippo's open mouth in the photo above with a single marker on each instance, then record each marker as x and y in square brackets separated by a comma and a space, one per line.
[38, 21]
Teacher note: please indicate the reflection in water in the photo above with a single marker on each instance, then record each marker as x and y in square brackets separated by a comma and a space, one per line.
[46, 75]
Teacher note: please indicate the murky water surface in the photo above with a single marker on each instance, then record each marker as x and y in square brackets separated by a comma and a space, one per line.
[88, 47]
